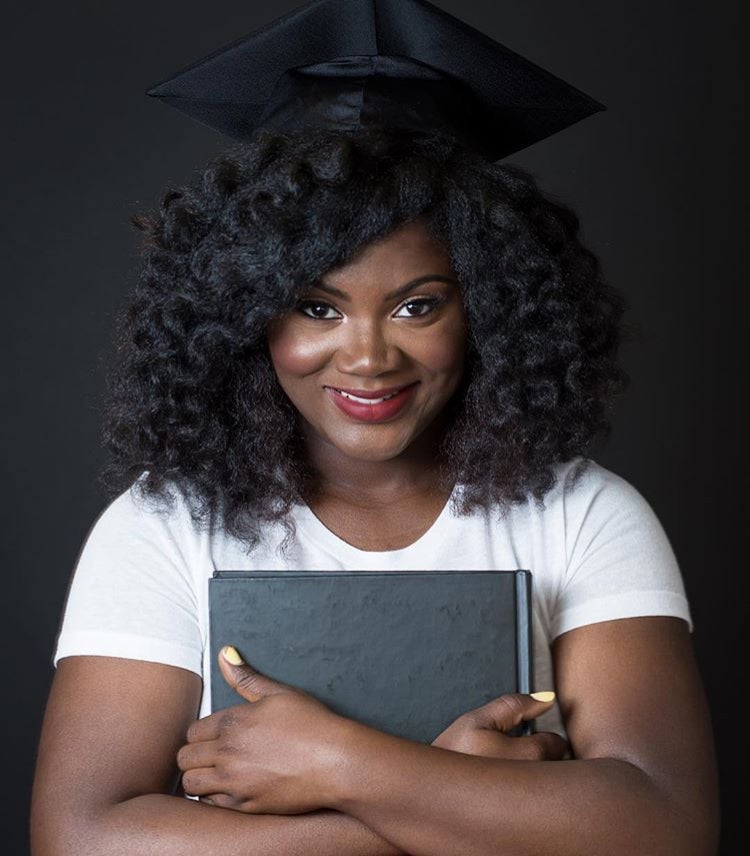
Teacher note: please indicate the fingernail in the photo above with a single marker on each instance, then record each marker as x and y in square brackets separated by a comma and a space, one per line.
[231, 655]
[547, 695]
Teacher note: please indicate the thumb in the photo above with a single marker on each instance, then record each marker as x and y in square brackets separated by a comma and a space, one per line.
[244, 679]
[507, 711]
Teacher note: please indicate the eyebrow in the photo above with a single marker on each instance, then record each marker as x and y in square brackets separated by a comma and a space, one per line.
[404, 289]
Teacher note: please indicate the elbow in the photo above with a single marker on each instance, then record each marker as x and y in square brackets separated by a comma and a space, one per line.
[689, 823]
[678, 817]
[694, 832]
[69, 838]
[50, 828]
[48, 840]
[66, 832]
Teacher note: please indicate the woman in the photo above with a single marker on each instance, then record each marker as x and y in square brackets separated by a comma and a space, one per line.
[298, 266]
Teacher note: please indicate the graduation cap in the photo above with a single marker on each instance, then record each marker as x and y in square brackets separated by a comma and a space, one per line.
[351, 64]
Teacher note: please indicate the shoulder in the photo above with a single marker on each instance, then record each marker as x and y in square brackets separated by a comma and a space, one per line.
[587, 494]
[618, 560]
[580, 480]
[133, 592]
[597, 502]
[136, 529]
[136, 513]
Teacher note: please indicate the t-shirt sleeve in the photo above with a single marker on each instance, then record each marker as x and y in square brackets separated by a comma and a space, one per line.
[620, 563]
[131, 593]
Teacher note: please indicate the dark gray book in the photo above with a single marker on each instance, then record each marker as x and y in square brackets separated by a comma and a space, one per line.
[406, 652]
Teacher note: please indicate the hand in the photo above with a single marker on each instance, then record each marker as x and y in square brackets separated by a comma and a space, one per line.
[481, 731]
[272, 756]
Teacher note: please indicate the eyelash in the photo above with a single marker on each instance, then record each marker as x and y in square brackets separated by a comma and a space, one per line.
[431, 302]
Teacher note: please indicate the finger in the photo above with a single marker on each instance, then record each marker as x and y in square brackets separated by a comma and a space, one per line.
[507, 711]
[543, 746]
[219, 800]
[207, 728]
[201, 781]
[193, 755]
[246, 681]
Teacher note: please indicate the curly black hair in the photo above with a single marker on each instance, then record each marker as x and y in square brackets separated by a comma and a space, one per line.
[192, 399]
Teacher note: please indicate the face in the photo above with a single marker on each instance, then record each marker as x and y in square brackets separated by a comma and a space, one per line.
[391, 319]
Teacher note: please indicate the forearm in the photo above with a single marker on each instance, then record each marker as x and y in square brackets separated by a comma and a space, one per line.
[164, 825]
[434, 802]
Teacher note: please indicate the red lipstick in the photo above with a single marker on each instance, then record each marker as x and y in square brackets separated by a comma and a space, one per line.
[379, 412]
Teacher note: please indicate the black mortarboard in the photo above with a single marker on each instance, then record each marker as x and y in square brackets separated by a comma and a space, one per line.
[350, 64]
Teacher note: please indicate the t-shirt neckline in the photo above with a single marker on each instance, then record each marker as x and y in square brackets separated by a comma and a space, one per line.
[314, 529]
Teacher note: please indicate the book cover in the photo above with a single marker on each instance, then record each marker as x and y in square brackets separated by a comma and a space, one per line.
[406, 652]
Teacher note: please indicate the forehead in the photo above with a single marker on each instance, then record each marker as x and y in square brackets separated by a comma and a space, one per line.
[408, 251]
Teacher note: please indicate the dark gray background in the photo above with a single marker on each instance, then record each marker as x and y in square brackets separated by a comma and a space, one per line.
[659, 183]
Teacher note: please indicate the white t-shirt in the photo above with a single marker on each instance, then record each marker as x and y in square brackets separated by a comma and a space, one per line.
[596, 552]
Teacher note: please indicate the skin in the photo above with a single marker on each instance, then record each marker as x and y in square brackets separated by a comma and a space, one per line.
[119, 735]
[378, 488]
[628, 789]
[230, 754]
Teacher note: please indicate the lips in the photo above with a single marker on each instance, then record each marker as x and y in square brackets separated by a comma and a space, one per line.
[378, 411]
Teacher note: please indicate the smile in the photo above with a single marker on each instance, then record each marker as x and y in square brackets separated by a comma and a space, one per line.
[364, 400]
[371, 409]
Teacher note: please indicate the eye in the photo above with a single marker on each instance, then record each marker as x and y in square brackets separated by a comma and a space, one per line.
[319, 310]
[424, 303]
[316, 305]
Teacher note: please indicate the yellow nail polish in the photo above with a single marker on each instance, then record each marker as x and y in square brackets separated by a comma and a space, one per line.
[547, 695]
[232, 655]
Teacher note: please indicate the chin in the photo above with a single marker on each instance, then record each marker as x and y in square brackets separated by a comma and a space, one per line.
[372, 450]
[362, 453]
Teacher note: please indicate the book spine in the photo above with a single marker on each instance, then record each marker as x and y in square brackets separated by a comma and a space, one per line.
[524, 641]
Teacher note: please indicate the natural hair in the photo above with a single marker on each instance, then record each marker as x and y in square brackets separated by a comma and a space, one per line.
[193, 401]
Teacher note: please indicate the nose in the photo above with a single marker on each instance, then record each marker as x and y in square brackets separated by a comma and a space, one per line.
[367, 349]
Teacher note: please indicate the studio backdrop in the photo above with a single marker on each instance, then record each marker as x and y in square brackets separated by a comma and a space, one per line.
[658, 181]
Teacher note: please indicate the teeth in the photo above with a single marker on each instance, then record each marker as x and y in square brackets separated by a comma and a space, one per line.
[366, 400]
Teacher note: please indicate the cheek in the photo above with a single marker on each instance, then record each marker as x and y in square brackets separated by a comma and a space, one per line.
[444, 353]
[293, 353]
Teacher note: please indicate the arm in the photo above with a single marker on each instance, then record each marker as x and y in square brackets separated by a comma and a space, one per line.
[643, 779]
[106, 770]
